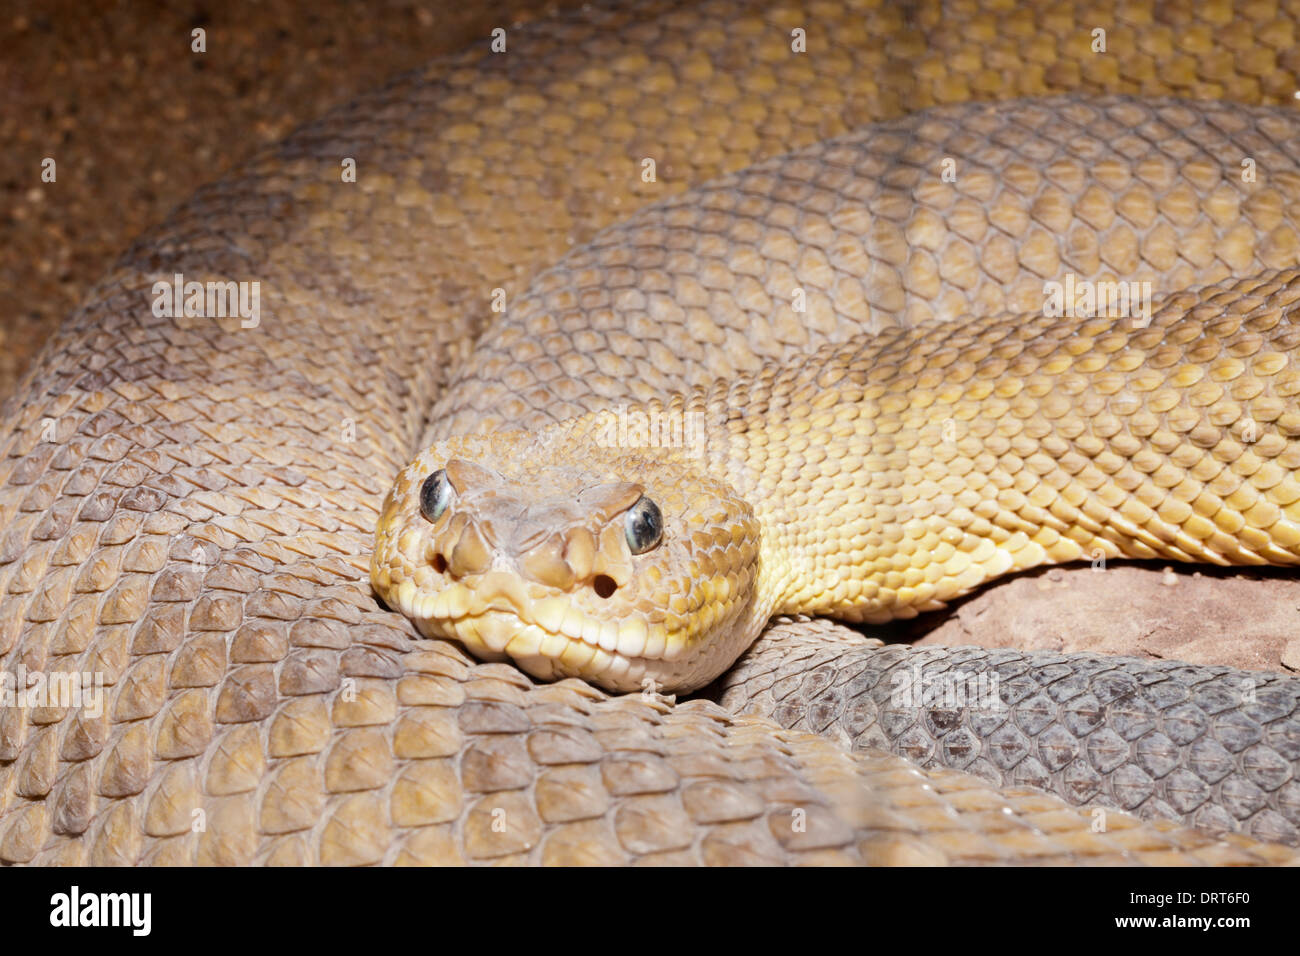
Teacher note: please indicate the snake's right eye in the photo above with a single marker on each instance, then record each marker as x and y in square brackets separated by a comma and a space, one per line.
[643, 525]
[435, 495]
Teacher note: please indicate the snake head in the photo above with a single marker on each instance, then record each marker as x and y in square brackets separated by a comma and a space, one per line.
[633, 571]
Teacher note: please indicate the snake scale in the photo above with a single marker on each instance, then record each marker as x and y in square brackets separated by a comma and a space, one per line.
[188, 507]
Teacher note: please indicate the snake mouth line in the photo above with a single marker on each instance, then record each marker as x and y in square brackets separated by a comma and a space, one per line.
[504, 634]
[498, 634]
[549, 634]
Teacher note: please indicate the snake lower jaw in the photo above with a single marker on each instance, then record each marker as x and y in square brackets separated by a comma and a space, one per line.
[551, 639]
[499, 635]
[624, 656]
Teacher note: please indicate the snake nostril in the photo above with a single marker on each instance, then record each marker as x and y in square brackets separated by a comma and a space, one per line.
[440, 564]
[604, 585]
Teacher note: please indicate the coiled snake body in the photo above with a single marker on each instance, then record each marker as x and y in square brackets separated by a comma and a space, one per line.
[187, 506]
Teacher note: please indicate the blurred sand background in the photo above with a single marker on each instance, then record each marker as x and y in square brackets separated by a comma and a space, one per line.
[135, 121]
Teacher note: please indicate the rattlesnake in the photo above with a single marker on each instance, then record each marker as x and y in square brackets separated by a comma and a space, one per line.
[187, 504]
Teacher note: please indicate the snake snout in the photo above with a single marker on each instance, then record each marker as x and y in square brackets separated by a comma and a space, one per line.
[560, 543]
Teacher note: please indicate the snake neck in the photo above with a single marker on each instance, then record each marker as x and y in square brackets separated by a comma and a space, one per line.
[898, 472]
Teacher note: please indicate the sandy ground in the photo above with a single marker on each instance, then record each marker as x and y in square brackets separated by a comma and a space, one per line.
[135, 121]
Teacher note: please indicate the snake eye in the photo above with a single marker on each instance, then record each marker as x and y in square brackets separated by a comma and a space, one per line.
[644, 525]
[435, 495]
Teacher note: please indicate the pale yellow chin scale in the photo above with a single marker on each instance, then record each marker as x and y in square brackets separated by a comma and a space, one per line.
[501, 635]
[548, 638]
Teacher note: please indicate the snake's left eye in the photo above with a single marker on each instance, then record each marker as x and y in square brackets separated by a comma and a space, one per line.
[435, 495]
[644, 525]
